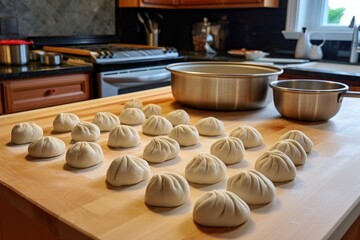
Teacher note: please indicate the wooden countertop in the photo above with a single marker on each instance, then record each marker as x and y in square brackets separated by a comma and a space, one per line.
[321, 203]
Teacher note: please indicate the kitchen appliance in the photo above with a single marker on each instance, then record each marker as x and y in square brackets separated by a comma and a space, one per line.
[309, 100]
[14, 52]
[121, 68]
[222, 85]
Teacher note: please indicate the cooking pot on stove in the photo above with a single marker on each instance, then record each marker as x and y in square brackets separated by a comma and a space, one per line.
[14, 52]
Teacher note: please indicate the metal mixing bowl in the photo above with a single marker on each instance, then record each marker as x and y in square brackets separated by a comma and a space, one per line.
[309, 100]
[222, 85]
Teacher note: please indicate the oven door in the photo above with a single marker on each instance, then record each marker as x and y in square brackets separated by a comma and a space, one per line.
[131, 80]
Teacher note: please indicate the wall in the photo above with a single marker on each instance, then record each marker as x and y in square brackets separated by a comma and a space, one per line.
[60, 17]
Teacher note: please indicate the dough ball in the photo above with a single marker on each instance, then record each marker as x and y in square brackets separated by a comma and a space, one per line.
[84, 155]
[292, 149]
[127, 170]
[205, 168]
[123, 136]
[167, 189]
[276, 166]
[161, 149]
[85, 131]
[252, 187]
[210, 126]
[65, 122]
[133, 103]
[106, 121]
[25, 132]
[220, 209]
[178, 117]
[46, 147]
[301, 138]
[229, 150]
[157, 125]
[132, 116]
[185, 135]
[250, 136]
[151, 109]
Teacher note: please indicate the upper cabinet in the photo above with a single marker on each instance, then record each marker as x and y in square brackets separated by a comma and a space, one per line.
[199, 3]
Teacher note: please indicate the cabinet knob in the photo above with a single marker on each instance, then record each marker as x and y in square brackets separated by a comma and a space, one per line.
[49, 91]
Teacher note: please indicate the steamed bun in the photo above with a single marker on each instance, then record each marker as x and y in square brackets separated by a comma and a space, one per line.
[210, 126]
[133, 103]
[250, 136]
[276, 166]
[127, 170]
[220, 209]
[84, 155]
[178, 117]
[151, 109]
[106, 121]
[132, 116]
[205, 168]
[229, 150]
[26, 132]
[85, 131]
[157, 125]
[185, 135]
[292, 149]
[167, 189]
[161, 149]
[252, 187]
[46, 147]
[123, 136]
[301, 138]
[65, 122]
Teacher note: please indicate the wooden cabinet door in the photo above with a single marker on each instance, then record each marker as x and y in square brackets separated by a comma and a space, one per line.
[161, 2]
[1, 101]
[198, 2]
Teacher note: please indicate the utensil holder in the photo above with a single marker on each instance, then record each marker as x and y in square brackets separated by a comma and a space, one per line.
[152, 39]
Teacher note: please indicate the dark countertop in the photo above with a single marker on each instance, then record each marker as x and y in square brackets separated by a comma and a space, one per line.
[35, 69]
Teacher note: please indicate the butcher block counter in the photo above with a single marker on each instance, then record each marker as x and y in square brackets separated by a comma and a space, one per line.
[47, 199]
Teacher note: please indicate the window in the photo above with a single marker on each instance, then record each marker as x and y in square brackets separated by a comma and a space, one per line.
[329, 18]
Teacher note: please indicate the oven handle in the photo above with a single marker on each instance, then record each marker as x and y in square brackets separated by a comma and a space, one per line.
[141, 76]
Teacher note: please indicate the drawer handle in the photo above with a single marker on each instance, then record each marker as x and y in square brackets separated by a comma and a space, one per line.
[50, 91]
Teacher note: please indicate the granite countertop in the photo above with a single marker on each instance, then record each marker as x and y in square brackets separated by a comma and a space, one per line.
[34, 69]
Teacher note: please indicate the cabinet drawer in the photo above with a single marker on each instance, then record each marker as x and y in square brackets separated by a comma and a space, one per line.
[26, 94]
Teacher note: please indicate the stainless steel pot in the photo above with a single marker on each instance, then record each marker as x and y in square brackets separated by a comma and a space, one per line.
[14, 52]
[50, 58]
[309, 100]
[222, 85]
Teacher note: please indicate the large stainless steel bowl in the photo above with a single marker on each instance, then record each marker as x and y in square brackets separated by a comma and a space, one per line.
[222, 85]
[309, 100]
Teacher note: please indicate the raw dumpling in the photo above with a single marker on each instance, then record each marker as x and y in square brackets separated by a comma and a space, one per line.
[133, 103]
[161, 149]
[151, 109]
[167, 189]
[178, 117]
[252, 187]
[276, 166]
[65, 122]
[185, 135]
[301, 138]
[292, 149]
[220, 209]
[85, 131]
[26, 132]
[127, 170]
[106, 121]
[132, 116]
[210, 126]
[250, 136]
[84, 155]
[205, 168]
[229, 150]
[46, 147]
[123, 136]
[157, 125]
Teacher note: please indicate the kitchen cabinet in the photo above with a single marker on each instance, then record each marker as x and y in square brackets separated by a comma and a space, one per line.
[1, 101]
[32, 93]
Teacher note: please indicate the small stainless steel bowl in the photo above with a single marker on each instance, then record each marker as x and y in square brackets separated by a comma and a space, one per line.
[50, 58]
[309, 100]
[222, 85]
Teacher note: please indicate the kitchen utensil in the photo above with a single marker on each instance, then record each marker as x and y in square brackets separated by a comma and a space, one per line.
[141, 19]
[14, 52]
[316, 51]
[34, 55]
[309, 100]
[222, 85]
[303, 45]
[50, 58]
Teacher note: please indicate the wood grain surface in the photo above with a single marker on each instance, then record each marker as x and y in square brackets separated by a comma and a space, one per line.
[322, 202]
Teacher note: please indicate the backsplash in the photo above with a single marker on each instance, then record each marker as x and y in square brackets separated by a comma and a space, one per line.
[60, 18]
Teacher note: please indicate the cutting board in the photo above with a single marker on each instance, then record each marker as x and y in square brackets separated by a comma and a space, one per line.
[321, 202]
